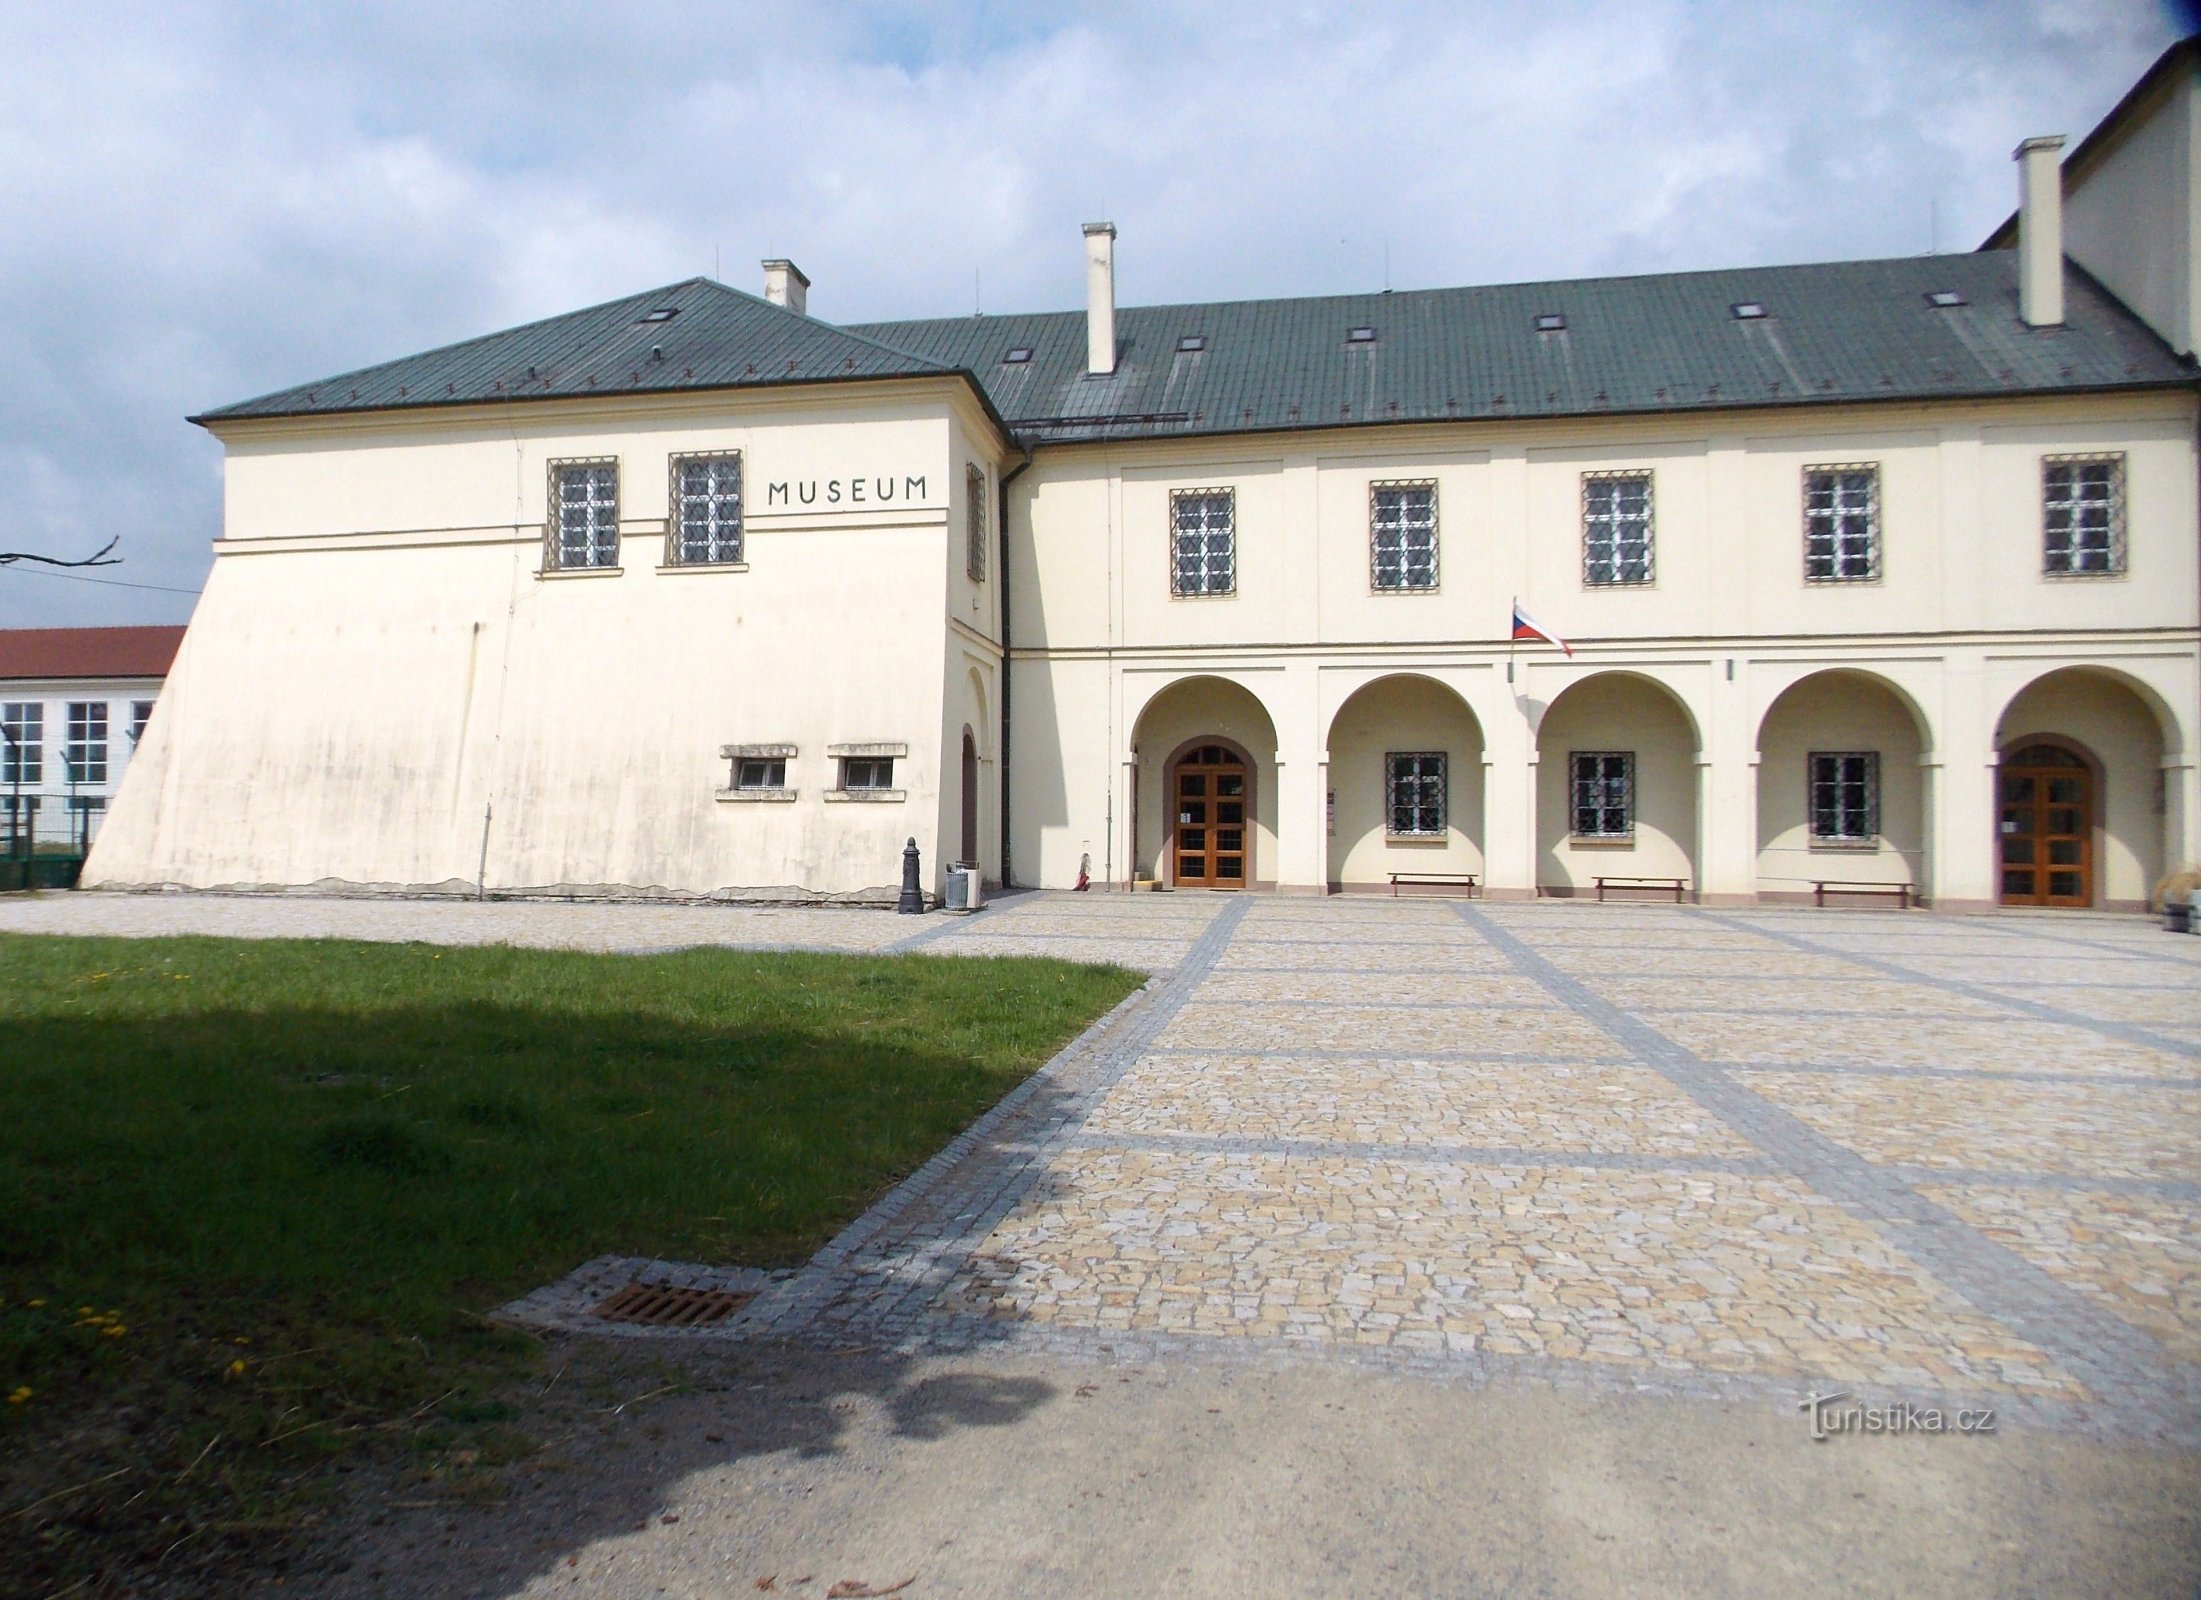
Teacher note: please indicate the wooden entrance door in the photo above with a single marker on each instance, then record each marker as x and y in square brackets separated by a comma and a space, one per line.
[1211, 787]
[2047, 827]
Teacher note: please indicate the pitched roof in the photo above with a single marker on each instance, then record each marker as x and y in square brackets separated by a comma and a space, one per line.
[2182, 59]
[1839, 332]
[27, 653]
[694, 335]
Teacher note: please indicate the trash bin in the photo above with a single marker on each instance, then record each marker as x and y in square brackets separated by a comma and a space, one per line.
[966, 892]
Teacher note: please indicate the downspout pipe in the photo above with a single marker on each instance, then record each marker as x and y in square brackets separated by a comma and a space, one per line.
[1001, 569]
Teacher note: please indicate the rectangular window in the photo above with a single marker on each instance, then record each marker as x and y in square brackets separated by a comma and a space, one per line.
[141, 712]
[1603, 787]
[1616, 527]
[85, 757]
[2083, 515]
[583, 530]
[1841, 524]
[1402, 535]
[22, 742]
[1204, 541]
[974, 534]
[1845, 796]
[706, 511]
[1416, 794]
[755, 772]
[867, 772]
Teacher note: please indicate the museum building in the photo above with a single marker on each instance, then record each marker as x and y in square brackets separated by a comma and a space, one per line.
[1733, 584]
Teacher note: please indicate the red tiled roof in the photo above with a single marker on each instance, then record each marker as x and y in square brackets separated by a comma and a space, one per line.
[88, 652]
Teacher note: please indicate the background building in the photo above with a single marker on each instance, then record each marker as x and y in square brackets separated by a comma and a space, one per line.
[74, 704]
[1878, 572]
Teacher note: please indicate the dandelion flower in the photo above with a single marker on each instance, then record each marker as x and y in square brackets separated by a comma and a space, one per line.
[237, 1368]
[17, 1396]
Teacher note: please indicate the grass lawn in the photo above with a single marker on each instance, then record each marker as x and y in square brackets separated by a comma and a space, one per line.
[254, 1195]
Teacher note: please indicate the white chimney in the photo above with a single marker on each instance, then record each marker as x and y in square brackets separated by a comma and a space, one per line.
[1100, 297]
[2040, 231]
[784, 285]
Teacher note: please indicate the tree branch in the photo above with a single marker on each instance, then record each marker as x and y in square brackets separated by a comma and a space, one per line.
[98, 558]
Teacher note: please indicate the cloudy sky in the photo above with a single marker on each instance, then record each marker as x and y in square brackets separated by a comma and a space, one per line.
[203, 202]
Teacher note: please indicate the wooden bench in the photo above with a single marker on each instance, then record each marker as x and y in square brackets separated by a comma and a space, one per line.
[1905, 895]
[1464, 880]
[1680, 886]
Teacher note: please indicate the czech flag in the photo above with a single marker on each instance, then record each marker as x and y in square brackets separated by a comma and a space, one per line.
[1527, 627]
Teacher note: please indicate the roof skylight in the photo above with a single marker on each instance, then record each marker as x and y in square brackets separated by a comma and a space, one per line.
[1748, 310]
[1192, 341]
[1551, 322]
[1017, 355]
[1942, 299]
[1360, 335]
[661, 314]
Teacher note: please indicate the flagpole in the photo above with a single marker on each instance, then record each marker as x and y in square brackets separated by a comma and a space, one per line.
[1513, 610]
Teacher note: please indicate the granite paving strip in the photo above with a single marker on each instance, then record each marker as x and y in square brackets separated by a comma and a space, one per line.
[871, 1279]
[2007, 1043]
[2121, 1365]
[1300, 1147]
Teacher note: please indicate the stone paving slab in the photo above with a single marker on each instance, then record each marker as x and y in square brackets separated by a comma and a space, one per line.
[2010, 1043]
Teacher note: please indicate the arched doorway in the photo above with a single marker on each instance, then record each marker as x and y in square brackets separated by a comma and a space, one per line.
[970, 800]
[1183, 717]
[1211, 816]
[2046, 812]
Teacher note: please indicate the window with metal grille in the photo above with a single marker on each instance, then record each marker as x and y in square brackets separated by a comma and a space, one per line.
[760, 772]
[141, 712]
[867, 772]
[1204, 541]
[1402, 535]
[974, 548]
[22, 742]
[1416, 785]
[1845, 796]
[1603, 785]
[1841, 524]
[85, 755]
[2083, 515]
[706, 505]
[1616, 527]
[584, 515]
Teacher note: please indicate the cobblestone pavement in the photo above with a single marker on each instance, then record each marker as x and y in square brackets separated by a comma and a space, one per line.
[1663, 1149]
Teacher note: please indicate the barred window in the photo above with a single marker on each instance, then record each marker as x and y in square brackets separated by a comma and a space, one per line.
[584, 515]
[22, 742]
[1204, 539]
[706, 507]
[86, 753]
[974, 551]
[2083, 514]
[1402, 535]
[1616, 527]
[1845, 795]
[1603, 784]
[1416, 793]
[1841, 524]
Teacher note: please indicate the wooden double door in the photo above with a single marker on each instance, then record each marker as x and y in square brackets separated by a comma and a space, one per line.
[1211, 788]
[2046, 822]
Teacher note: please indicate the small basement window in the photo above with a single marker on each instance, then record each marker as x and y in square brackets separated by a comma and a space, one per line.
[757, 772]
[1748, 310]
[1942, 299]
[1192, 342]
[1017, 355]
[867, 772]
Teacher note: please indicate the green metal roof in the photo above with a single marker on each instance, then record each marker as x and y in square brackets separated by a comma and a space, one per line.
[1842, 332]
[715, 338]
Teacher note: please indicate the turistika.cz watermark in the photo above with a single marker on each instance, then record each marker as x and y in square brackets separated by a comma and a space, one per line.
[1835, 1413]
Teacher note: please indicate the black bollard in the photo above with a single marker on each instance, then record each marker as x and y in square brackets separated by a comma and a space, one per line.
[913, 898]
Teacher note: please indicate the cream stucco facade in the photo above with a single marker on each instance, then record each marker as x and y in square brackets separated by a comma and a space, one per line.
[389, 684]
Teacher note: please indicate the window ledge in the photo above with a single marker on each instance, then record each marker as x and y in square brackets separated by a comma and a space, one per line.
[1416, 838]
[2081, 577]
[872, 796]
[703, 566]
[1205, 594]
[1849, 846]
[1600, 841]
[727, 795]
[1387, 590]
[580, 572]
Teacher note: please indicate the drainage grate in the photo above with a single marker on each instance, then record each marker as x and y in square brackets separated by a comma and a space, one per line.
[663, 1307]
